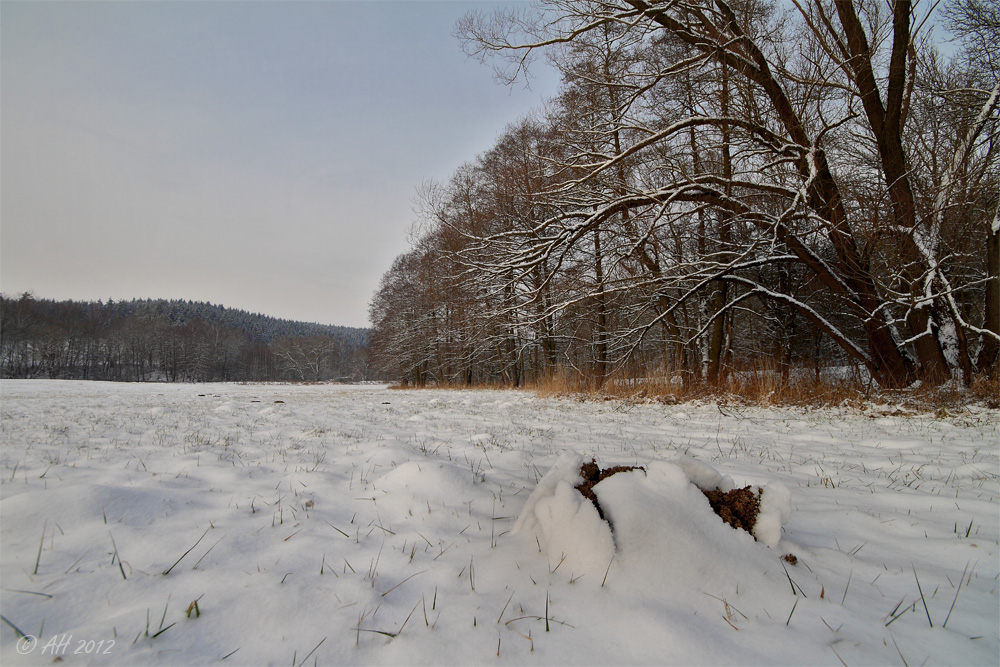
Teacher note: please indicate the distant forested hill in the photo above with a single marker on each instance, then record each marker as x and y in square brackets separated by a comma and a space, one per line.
[256, 325]
[170, 340]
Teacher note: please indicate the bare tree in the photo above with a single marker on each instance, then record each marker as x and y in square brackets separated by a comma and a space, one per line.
[821, 104]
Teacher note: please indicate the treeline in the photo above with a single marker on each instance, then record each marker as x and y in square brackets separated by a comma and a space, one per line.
[170, 340]
[718, 185]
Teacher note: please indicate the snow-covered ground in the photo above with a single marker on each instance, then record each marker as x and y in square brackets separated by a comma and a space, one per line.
[323, 525]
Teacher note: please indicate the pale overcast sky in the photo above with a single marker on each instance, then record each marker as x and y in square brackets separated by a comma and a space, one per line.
[259, 155]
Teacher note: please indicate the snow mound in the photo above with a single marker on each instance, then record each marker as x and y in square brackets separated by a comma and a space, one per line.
[566, 525]
[659, 517]
[775, 499]
[668, 536]
[427, 482]
[704, 476]
[775, 510]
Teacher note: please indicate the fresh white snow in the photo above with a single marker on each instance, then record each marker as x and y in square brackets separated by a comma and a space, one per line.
[328, 524]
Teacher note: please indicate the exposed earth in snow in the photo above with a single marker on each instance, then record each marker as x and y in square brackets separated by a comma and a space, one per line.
[315, 525]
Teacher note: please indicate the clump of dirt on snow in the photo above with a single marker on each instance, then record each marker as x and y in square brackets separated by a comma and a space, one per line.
[739, 507]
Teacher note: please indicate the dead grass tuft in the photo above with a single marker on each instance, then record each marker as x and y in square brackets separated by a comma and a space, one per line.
[986, 389]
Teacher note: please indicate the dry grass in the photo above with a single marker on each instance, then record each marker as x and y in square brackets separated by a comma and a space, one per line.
[759, 385]
[950, 396]
[452, 386]
[764, 386]
[986, 389]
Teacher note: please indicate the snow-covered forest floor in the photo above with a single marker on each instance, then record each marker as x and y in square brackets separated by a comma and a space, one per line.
[246, 524]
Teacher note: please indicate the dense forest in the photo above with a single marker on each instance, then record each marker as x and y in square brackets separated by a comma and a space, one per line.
[170, 340]
[718, 185]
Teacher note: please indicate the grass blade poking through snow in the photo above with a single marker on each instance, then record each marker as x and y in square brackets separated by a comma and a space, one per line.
[13, 627]
[38, 558]
[163, 630]
[502, 611]
[406, 620]
[796, 589]
[957, 591]
[167, 571]
[792, 612]
[313, 651]
[846, 588]
[402, 582]
[115, 555]
[195, 566]
[546, 611]
[893, 613]
[922, 599]
[338, 530]
[164, 617]
[605, 580]
[18, 590]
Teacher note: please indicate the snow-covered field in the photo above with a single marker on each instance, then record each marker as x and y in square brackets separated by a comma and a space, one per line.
[322, 525]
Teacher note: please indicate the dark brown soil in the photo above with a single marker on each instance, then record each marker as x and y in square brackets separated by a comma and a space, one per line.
[738, 508]
[592, 474]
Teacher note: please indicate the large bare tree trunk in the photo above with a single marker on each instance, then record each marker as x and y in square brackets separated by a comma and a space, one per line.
[988, 359]
[886, 123]
[721, 295]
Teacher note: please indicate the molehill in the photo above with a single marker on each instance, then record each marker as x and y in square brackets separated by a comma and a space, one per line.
[738, 508]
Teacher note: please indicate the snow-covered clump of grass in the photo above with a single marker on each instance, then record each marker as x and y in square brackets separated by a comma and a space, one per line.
[189, 524]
